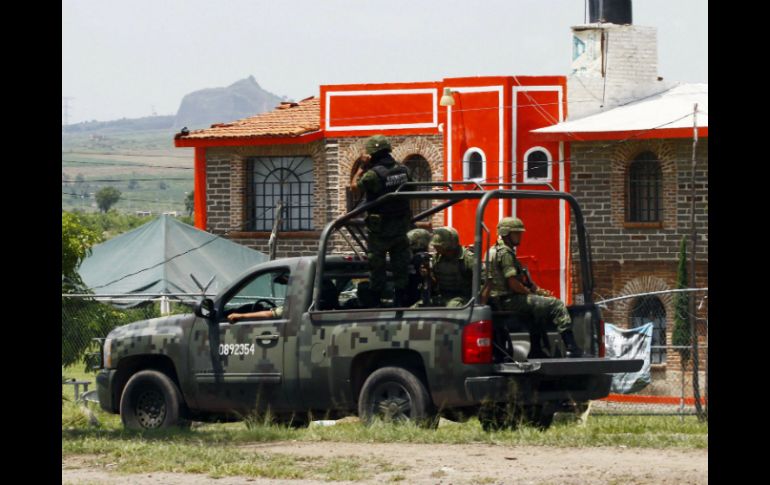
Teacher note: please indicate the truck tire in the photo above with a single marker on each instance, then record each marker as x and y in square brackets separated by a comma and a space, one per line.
[539, 415]
[151, 400]
[395, 394]
[499, 416]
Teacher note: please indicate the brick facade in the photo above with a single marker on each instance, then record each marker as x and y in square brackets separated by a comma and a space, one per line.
[631, 258]
[226, 179]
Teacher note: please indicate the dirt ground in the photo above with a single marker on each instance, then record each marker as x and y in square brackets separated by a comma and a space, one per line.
[455, 464]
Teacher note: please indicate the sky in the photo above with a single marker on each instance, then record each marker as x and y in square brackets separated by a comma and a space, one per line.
[132, 59]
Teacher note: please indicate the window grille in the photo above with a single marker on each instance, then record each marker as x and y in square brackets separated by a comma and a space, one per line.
[650, 309]
[537, 166]
[285, 179]
[644, 189]
[419, 170]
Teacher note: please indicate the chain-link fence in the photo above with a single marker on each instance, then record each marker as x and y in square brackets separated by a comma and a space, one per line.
[678, 370]
[85, 317]
[678, 351]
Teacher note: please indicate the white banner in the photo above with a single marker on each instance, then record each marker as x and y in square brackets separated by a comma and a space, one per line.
[633, 343]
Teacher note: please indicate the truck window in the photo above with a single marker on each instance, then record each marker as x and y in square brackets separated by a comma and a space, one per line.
[264, 291]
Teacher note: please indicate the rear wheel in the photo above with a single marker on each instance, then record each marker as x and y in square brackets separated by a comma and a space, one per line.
[500, 416]
[151, 400]
[394, 394]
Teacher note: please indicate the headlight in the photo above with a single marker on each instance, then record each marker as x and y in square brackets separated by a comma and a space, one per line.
[107, 353]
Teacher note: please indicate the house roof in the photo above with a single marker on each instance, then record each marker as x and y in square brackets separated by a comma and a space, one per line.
[665, 115]
[289, 119]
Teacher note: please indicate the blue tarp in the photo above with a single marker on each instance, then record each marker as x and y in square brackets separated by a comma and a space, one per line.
[172, 250]
[634, 343]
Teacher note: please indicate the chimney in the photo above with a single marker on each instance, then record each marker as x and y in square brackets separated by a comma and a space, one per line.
[613, 61]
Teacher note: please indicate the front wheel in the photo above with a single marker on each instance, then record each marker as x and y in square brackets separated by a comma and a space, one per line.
[394, 395]
[151, 400]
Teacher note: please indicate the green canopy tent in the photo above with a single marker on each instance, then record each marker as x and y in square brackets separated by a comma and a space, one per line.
[159, 257]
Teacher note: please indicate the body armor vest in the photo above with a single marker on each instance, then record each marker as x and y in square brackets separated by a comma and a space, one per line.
[391, 178]
[499, 281]
[452, 277]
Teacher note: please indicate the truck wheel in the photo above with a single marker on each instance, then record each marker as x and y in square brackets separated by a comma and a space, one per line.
[499, 416]
[394, 394]
[150, 400]
[539, 415]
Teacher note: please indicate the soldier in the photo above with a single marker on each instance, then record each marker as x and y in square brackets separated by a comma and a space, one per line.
[452, 269]
[276, 312]
[387, 224]
[419, 287]
[511, 289]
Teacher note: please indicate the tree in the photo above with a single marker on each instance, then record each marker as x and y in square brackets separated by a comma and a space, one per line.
[133, 184]
[106, 197]
[189, 202]
[76, 242]
[162, 185]
[681, 332]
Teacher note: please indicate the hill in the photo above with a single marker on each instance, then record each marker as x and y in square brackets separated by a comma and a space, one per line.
[199, 109]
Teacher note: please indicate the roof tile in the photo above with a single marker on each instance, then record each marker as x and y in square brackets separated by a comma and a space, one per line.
[287, 119]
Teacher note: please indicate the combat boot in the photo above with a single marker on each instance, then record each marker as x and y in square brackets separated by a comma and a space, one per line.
[573, 351]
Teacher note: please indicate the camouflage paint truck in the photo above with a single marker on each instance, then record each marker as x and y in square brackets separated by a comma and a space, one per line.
[327, 353]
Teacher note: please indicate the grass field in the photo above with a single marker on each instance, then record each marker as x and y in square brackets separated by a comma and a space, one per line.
[221, 449]
[161, 179]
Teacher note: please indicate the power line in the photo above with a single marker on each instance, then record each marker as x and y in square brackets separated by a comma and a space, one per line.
[125, 180]
[131, 199]
[127, 164]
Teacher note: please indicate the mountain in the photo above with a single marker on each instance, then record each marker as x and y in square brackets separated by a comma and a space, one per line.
[199, 109]
[244, 98]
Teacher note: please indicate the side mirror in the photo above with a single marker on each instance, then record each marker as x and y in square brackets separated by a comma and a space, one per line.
[205, 309]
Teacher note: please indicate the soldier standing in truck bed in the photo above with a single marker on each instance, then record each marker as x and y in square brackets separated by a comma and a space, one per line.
[387, 224]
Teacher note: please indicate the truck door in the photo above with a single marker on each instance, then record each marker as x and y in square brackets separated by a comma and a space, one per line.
[250, 350]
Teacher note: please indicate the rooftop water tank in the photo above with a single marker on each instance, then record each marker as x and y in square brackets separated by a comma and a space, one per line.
[609, 11]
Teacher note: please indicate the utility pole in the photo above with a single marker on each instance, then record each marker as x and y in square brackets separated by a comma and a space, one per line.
[694, 237]
[65, 110]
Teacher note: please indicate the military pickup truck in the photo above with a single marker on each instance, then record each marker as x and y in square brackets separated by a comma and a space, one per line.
[326, 352]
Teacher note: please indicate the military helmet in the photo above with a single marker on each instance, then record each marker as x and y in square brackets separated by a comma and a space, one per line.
[376, 143]
[419, 239]
[445, 238]
[508, 225]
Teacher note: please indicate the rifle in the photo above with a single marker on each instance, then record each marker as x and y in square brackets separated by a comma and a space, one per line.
[425, 261]
[526, 280]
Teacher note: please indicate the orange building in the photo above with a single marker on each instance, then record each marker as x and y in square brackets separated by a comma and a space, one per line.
[308, 148]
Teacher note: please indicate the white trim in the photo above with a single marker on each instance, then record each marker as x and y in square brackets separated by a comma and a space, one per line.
[549, 164]
[562, 204]
[466, 156]
[448, 136]
[500, 142]
[562, 227]
[434, 124]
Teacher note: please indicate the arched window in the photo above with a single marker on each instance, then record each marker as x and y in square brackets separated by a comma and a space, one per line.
[648, 309]
[473, 164]
[419, 171]
[644, 188]
[537, 165]
[285, 179]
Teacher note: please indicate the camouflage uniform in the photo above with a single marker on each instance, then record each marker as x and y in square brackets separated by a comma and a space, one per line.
[455, 278]
[387, 225]
[419, 243]
[454, 274]
[533, 308]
